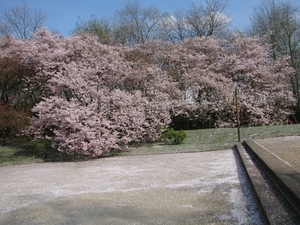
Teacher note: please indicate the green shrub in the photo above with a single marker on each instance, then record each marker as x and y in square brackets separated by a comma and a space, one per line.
[174, 136]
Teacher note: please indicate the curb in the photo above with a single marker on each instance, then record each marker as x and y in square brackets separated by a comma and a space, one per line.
[274, 184]
[250, 173]
[283, 175]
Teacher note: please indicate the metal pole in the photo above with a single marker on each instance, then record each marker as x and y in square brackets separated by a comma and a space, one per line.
[237, 113]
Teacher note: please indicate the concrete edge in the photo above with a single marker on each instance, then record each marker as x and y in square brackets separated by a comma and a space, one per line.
[254, 191]
[284, 176]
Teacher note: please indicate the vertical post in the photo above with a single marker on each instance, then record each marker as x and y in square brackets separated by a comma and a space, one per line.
[235, 81]
[237, 113]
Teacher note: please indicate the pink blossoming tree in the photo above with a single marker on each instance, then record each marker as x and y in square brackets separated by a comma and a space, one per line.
[89, 110]
[90, 98]
[204, 68]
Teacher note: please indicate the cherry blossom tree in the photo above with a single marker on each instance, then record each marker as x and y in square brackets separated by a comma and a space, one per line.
[91, 98]
[22, 65]
[89, 109]
[264, 91]
[203, 69]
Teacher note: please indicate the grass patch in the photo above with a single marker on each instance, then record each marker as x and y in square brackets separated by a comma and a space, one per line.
[215, 139]
[9, 156]
[20, 151]
[23, 150]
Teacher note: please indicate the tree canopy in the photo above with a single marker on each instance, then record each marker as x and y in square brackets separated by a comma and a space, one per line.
[89, 98]
[112, 84]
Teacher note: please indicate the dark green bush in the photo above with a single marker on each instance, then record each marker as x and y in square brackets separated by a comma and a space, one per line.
[174, 136]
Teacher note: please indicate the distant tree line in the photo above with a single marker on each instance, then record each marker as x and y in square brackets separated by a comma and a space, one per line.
[135, 24]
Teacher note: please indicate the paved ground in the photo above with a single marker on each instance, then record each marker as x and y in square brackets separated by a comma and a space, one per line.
[190, 188]
[285, 148]
[276, 184]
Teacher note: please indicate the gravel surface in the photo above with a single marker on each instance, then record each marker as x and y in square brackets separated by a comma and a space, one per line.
[189, 188]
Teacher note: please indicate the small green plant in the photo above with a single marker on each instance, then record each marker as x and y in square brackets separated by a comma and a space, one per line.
[174, 136]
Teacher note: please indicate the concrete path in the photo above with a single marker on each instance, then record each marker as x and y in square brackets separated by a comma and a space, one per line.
[286, 149]
[278, 159]
[189, 188]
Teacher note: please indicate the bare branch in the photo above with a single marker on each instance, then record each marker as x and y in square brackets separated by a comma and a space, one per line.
[134, 24]
[21, 21]
[207, 20]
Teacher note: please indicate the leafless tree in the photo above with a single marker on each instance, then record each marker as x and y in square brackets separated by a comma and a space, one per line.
[134, 24]
[207, 19]
[99, 27]
[280, 23]
[173, 27]
[21, 21]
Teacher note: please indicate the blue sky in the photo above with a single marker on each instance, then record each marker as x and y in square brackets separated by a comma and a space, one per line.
[62, 14]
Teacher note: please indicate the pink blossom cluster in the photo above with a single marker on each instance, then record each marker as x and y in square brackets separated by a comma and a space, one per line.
[203, 69]
[91, 98]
